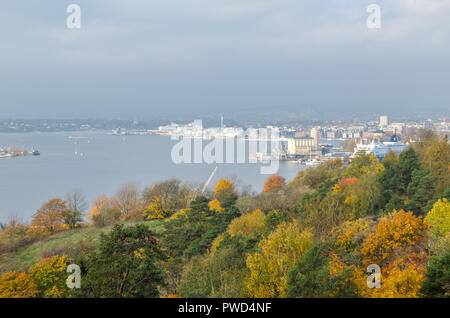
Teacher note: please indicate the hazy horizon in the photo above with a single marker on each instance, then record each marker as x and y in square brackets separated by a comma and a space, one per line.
[141, 59]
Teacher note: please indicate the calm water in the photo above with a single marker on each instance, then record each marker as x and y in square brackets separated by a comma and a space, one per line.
[99, 163]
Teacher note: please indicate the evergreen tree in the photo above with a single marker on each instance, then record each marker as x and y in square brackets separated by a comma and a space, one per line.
[125, 264]
[407, 163]
[437, 282]
[420, 191]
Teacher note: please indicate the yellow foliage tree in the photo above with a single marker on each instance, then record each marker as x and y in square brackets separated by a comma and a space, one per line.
[364, 164]
[349, 233]
[215, 244]
[17, 285]
[214, 205]
[157, 209]
[268, 269]
[249, 224]
[438, 218]
[398, 280]
[177, 215]
[160, 206]
[223, 189]
[436, 159]
[50, 276]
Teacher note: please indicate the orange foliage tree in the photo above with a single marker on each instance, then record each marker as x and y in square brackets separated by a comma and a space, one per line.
[50, 218]
[103, 211]
[394, 233]
[347, 181]
[274, 183]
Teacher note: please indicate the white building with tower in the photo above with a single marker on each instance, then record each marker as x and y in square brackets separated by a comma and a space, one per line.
[305, 145]
[383, 121]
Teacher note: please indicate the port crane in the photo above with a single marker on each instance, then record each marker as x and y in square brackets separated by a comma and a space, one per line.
[209, 179]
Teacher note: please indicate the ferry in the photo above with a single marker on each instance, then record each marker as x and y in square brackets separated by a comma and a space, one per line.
[380, 149]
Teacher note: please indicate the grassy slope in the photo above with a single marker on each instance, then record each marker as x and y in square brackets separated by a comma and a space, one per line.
[31, 254]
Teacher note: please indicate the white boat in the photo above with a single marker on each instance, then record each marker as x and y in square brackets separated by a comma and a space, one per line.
[313, 163]
[380, 149]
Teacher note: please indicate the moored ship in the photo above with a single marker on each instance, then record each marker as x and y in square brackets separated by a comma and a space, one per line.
[380, 149]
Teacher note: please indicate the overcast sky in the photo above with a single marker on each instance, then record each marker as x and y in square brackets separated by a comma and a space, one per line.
[146, 58]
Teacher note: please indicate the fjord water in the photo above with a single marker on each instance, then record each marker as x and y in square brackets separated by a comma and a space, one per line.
[98, 163]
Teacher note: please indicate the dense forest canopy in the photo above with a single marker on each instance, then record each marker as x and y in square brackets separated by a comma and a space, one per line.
[312, 237]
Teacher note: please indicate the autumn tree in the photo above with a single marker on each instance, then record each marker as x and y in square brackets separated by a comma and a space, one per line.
[269, 268]
[313, 178]
[274, 183]
[14, 235]
[438, 218]
[349, 236]
[50, 218]
[214, 205]
[393, 233]
[399, 279]
[364, 164]
[223, 189]
[362, 197]
[172, 190]
[103, 211]
[249, 225]
[127, 201]
[17, 285]
[164, 198]
[50, 276]
[437, 159]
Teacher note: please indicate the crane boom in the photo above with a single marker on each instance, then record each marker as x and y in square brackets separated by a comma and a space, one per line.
[209, 179]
